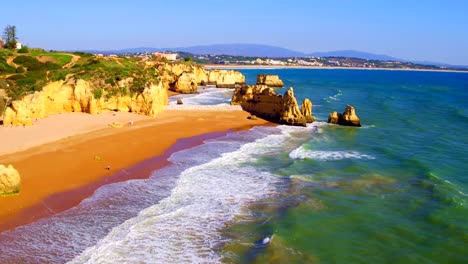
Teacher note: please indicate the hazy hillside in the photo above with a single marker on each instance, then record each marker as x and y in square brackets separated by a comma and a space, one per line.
[354, 54]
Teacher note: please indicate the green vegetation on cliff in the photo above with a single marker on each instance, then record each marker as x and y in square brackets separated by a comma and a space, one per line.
[28, 70]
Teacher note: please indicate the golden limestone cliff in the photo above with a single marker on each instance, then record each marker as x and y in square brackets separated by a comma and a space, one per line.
[226, 78]
[185, 78]
[81, 96]
[260, 100]
[348, 118]
[269, 80]
[9, 180]
[97, 96]
[181, 78]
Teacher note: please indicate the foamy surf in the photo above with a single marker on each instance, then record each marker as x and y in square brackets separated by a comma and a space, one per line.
[334, 97]
[185, 226]
[174, 216]
[303, 153]
[205, 96]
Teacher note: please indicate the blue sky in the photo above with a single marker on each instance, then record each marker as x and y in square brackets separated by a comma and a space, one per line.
[413, 29]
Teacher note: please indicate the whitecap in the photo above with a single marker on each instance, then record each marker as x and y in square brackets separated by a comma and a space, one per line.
[303, 153]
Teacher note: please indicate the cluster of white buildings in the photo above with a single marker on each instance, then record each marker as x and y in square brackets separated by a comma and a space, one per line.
[168, 56]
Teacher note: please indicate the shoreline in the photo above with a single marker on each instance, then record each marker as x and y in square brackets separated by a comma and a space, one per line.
[253, 67]
[57, 175]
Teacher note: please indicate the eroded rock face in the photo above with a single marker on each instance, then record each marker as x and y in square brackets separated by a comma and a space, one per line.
[78, 96]
[348, 118]
[262, 101]
[306, 110]
[290, 112]
[186, 83]
[333, 117]
[172, 73]
[269, 80]
[226, 78]
[9, 180]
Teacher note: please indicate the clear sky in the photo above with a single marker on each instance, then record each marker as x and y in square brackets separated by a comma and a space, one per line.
[424, 30]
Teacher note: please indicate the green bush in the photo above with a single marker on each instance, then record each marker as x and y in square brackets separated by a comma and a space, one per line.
[59, 75]
[24, 49]
[51, 66]
[20, 69]
[29, 62]
[123, 90]
[98, 93]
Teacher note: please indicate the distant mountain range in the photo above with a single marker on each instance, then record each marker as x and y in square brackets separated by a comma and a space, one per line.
[257, 50]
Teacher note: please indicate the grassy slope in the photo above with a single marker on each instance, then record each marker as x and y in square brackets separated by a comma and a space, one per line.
[24, 73]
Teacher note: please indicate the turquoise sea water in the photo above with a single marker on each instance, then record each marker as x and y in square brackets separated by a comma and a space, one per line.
[392, 191]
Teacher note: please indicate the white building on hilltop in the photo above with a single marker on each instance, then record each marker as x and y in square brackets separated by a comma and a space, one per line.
[18, 45]
[168, 56]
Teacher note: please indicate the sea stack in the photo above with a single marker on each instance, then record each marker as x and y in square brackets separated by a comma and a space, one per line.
[306, 110]
[348, 118]
[270, 80]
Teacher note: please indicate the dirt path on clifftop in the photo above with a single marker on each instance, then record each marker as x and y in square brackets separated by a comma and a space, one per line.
[9, 61]
[74, 59]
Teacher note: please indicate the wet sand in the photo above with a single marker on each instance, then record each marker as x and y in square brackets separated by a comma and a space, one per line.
[59, 174]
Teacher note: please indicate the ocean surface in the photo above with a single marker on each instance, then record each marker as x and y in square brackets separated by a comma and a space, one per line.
[393, 191]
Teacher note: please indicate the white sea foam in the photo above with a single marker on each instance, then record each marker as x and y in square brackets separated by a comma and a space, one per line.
[184, 227]
[205, 96]
[334, 97]
[303, 153]
[174, 216]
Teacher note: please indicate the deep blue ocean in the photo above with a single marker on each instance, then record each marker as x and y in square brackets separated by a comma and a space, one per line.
[392, 191]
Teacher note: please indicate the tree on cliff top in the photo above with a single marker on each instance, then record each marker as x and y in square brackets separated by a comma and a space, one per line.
[9, 33]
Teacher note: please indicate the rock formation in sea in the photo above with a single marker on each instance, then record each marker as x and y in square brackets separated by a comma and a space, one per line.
[306, 110]
[348, 118]
[269, 80]
[84, 96]
[225, 78]
[9, 180]
[262, 101]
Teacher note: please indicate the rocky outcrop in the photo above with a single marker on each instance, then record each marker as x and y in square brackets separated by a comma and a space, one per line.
[9, 180]
[186, 83]
[79, 96]
[184, 78]
[306, 110]
[262, 101]
[226, 78]
[290, 113]
[269, 80]
[348, 118]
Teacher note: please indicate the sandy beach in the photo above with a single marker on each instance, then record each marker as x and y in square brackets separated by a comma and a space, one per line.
[62, 159]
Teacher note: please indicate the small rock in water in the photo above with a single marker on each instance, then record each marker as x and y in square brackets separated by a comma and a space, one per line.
[179, 101]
